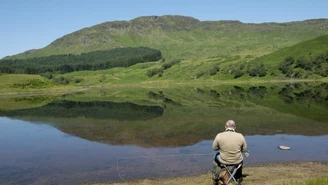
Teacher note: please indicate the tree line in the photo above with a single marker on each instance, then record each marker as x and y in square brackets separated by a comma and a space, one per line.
[96, 60]
[304, 66]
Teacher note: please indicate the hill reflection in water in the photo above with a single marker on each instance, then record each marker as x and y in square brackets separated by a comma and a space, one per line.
[40, 154]
[184, 116]
[94, 109]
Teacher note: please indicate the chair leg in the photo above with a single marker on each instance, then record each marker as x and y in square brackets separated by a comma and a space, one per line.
[232, 174]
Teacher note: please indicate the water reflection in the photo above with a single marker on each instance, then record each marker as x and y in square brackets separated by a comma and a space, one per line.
[155, 132]
[185, 116]
[39, 154]
[94, 109]
[161, 96]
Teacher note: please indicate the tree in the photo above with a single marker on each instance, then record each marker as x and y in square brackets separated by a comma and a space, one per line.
[302, 62]
[256, 69]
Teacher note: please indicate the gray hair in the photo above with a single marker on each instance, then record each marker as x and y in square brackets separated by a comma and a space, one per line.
[230, 124]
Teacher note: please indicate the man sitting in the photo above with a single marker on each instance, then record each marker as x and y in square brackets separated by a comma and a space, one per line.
[230, 145]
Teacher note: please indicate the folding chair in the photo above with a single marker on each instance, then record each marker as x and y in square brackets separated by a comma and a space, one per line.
[231, 170]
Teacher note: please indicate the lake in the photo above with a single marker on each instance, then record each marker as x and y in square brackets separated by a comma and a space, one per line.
[113, 135]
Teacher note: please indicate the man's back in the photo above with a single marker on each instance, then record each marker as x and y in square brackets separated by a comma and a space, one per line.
[230, 144]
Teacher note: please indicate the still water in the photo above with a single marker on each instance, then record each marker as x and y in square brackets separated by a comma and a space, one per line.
[111, 135]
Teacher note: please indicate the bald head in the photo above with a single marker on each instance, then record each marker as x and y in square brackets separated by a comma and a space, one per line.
[230, 124]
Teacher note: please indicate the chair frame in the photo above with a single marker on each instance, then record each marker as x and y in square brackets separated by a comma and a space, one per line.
[231, 172]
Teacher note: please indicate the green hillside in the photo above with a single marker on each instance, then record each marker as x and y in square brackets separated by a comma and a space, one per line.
[185, 37]
[21, 82]
[231, 68]
[307, 58]
[12, 85]
[202, 51]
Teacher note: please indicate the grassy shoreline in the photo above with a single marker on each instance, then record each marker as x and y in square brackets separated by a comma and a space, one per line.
[20, 84]
[171, 83]
[40, 92]
[62, 89]
[294, 173]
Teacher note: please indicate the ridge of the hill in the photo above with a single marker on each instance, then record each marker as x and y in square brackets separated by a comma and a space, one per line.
[184, 37]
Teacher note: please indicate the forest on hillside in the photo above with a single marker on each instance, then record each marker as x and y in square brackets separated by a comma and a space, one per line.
[96, 60]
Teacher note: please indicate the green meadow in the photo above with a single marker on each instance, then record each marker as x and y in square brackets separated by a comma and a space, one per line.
[174, 74]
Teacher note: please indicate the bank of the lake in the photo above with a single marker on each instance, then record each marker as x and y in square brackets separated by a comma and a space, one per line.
[35, 85]
[314, 173]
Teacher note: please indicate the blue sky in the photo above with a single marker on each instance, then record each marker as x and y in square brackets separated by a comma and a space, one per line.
[33, 24]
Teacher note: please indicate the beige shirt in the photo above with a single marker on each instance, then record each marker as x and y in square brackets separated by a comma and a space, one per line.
[230, 144]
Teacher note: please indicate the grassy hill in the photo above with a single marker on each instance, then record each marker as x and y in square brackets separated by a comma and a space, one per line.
[213, 70]
[23, 82]
[310, 50]
[12, 85]
[203, 51]
[185, 37]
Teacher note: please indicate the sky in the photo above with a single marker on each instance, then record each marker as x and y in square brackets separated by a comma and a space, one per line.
[33, 24]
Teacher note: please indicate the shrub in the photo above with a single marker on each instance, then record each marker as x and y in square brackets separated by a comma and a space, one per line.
[161, 70]
[288, 71]
[286, 63]
[214, 70]
[303, 63]
[242, 66]
[256, 69]
[170, 64]
[323, 71]
[238, 73]
[289, 60]
[262, 71]
[47, 75]
[102, 78]
[319, 60]
[32, 83]
[200, 74]
[61, 80]
[307, 66]
[154, 71]
[77, 80]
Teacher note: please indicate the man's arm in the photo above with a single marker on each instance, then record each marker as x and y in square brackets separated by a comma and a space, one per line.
[244, 146]
[216, 143]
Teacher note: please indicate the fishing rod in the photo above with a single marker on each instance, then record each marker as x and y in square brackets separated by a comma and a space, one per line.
[154, 156]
